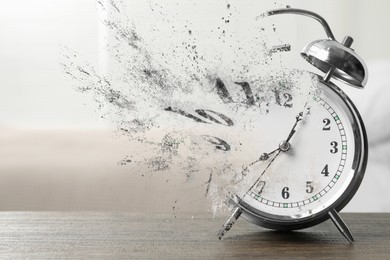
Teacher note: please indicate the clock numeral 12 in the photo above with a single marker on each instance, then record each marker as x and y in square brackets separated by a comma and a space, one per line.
[288, 98]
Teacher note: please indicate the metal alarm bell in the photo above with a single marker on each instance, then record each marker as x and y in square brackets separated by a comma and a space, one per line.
[335, 59]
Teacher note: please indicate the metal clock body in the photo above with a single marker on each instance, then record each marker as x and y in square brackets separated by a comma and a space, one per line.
[316, 170]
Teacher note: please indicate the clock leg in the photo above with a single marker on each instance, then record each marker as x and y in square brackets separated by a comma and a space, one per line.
[341, 226]
[230, 222]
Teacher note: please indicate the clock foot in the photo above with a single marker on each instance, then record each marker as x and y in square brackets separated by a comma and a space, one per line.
[341, 226]
[230, 222]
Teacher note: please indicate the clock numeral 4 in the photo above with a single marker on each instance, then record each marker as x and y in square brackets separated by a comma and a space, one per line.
[325, 171]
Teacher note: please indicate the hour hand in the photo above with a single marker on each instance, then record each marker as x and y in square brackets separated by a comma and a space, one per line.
[240, 176]
[265, 156]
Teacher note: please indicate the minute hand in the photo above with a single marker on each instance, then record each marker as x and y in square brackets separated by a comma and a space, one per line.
[292, 132]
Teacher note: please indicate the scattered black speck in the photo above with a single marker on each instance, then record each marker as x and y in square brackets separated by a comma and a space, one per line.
[146, 85]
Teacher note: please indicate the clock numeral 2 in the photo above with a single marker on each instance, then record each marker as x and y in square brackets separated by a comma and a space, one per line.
[326, 127]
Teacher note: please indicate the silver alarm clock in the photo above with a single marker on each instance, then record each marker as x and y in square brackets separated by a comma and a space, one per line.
[317, 167]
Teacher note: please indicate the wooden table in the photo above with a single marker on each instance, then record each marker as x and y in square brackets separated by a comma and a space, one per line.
[139, 236]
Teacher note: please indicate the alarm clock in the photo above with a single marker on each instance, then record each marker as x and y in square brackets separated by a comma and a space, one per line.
[316, 169]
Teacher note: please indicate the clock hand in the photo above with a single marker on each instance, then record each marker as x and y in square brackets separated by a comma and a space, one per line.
[263, 157]
[298, 118]
[237, 210]
[283, 146]
[266, 168]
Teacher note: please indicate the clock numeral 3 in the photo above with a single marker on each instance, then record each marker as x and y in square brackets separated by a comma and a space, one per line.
[334, 145]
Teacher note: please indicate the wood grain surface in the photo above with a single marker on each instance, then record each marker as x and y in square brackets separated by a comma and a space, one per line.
[69, 235]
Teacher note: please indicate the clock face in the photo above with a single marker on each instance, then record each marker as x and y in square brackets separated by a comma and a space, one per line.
[317, 169]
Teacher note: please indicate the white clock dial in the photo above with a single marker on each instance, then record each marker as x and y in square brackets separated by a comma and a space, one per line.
[314, 169]
[310, 175]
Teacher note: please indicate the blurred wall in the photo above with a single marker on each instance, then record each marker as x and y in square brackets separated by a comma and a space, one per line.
[50, 134]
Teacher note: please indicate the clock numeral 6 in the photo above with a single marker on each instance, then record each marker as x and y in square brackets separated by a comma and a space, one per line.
[334, 147]
[285, 193]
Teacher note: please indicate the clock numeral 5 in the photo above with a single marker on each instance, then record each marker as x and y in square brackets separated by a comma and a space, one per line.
[309, 187]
